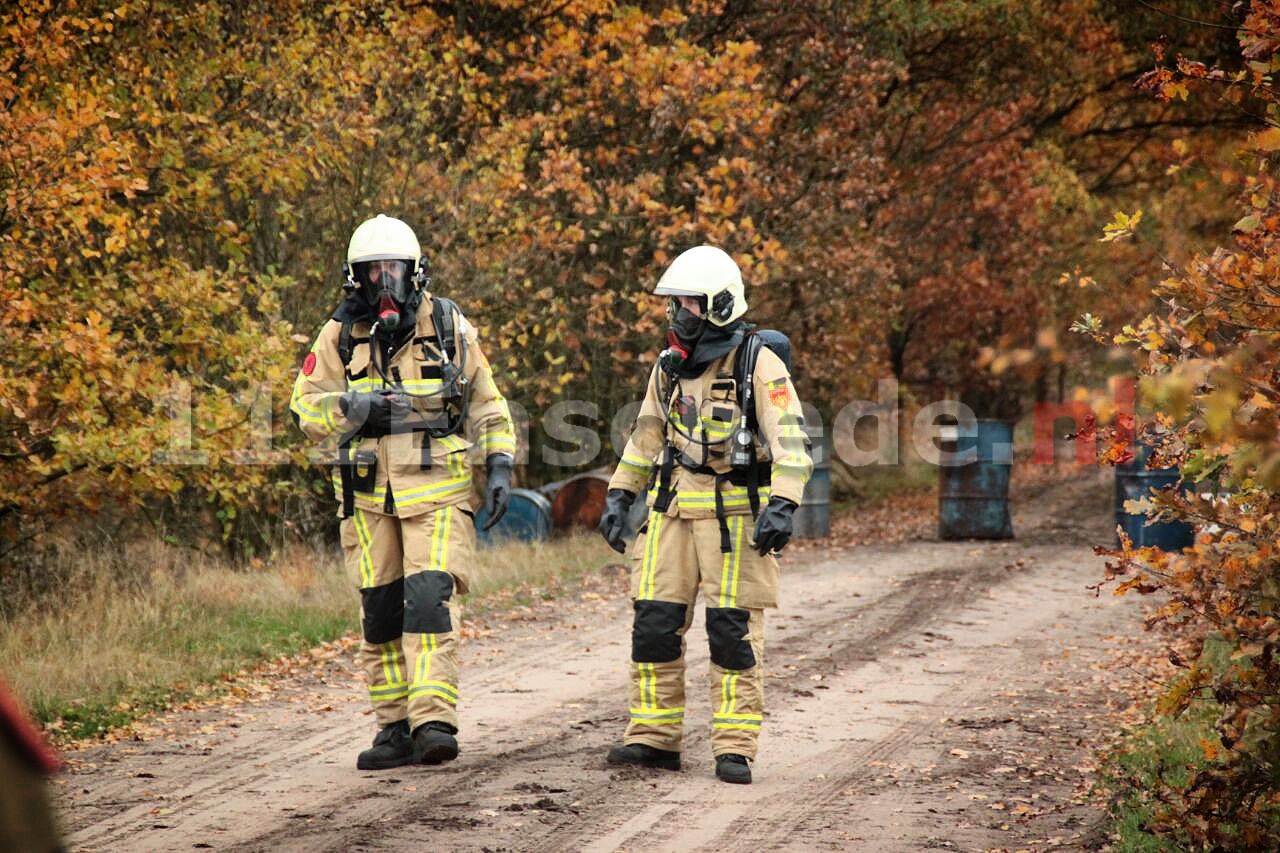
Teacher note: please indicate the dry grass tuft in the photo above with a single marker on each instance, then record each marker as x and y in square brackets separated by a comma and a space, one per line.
[141, 625]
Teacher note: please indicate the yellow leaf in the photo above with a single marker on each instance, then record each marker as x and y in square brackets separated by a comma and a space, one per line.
[1267, 140]
[1123, 225]
[1248, 223]
[1219, 411]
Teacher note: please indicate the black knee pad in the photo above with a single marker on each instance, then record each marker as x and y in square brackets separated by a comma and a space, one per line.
[383, 608]
[426, 603]
[655, 634]
[727, 636]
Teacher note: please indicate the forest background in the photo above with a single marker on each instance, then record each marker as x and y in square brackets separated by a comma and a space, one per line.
[914, 190]
[936, 192]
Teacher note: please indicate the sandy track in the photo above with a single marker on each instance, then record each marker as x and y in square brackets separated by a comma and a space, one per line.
[929, 695]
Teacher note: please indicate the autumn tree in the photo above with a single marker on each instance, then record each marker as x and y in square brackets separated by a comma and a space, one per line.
[1010, 129]
[127, 176]
[1211, 356]
[179, 181]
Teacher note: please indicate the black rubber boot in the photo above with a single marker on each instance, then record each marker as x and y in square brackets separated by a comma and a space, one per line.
[645, 756]
[733, 768]
[391, 748]
[434, 743]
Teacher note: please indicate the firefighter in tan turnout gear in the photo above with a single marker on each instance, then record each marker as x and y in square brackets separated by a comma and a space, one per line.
[397, 392]
[720, 431]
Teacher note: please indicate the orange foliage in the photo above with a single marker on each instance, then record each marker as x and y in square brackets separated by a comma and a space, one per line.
[178, 181]
[1212, 360]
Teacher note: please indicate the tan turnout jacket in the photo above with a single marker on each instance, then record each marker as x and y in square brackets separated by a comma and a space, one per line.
[700, 416]
[403, 486]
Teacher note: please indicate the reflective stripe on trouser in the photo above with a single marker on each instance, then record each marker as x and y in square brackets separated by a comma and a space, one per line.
[674, 561]
[737, 697]
[410, 619]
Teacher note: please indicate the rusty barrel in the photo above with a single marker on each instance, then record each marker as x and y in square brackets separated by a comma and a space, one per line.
[1135, 481]
[578, 502]
[528, 519]
[973, 498]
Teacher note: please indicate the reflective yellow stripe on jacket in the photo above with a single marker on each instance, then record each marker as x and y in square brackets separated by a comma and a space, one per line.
[322, 416]
[733, 497]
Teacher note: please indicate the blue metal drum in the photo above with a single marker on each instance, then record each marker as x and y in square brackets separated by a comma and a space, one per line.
[973, 499]
[813, 517]
[1134, 481]
[528, 519]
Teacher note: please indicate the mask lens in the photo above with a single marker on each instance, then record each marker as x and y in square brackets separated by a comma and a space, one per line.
[393, 277]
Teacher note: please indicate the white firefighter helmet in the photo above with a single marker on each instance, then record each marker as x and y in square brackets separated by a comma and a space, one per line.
[710, 273]
[376, 246]
[383, 238]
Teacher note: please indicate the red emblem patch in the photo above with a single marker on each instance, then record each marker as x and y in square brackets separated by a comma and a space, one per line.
[309, 365]
[780, 396]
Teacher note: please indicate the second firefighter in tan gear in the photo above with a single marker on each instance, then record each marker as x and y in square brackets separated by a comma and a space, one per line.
[397, 388]
[702, 535]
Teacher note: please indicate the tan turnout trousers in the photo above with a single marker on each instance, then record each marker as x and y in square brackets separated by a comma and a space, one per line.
[410, 653]
[674, 560]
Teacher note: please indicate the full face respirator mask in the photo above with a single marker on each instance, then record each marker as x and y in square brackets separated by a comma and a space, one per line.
[683, 330]
[683, 324]
[386, 286]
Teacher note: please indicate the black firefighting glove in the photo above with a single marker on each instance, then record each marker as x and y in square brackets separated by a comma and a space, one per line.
[773, 527]
[497, 491]
[617, 506]
[376, 412]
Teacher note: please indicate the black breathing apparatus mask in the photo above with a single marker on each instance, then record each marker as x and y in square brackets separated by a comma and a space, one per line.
[387, 287]
[685, 325]
[675, 355]
[683, 330]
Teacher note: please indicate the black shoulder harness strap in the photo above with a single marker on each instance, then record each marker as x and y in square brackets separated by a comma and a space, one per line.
[444, 314]
[346, 343]
[744, 370]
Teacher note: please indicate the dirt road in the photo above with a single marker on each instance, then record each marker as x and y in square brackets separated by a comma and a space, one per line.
[923, 695]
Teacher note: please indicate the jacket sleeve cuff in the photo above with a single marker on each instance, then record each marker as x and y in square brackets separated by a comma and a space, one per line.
[790, 488]
[624, 479]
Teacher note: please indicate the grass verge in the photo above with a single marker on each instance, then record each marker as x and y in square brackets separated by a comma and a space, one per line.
[1165, 749]
[116, 646]
[1161, 757]
[138, 627]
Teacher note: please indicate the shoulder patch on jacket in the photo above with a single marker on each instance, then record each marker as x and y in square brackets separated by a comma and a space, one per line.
[778, 393]
[309, 364]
